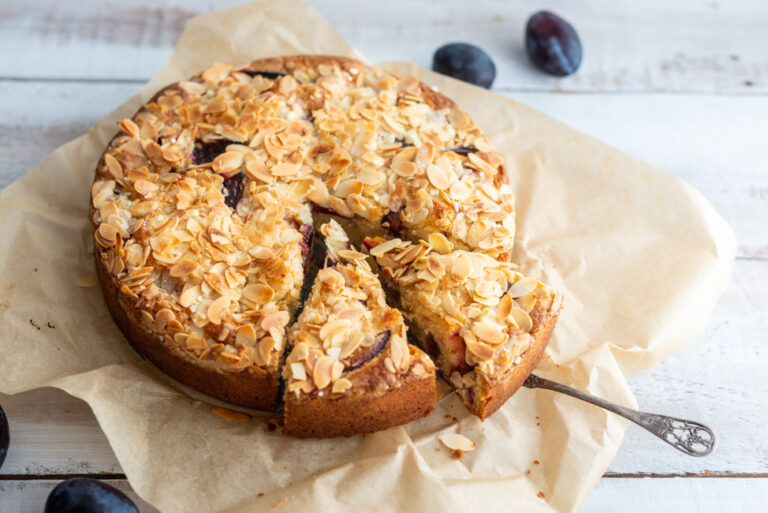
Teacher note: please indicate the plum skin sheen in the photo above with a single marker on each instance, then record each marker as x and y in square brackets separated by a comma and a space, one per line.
[552, 44]
[84, 495]
[465, 62]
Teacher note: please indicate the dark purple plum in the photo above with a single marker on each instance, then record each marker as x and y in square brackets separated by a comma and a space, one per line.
[233, 190]
[363, 355]
[271, 75]
[5, 436]
[465, 62]
[83, 495]
[206, 151]
[552, 44]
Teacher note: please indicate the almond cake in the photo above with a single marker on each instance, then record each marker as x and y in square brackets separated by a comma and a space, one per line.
[204, 211]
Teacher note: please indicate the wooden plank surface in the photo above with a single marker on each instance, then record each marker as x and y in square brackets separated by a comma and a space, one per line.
[654, 45]
[681, 85]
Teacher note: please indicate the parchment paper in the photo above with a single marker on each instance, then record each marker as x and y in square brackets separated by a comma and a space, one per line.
[640, 256]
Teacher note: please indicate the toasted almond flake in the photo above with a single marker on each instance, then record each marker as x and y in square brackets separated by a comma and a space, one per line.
[284, 169]
[404, 168]
[522, 319]
[438, 177]
[457, 442]
[162, 318]
[340, 386]
[492, 334]
[261, 253]
[298, 372]
[227, 162]
[265, 348]
[527, 302]
[336, 369]
[217, 309]
[321, 373]
[334, 327]
[318, 194]
[504, 308]
[246, 335]
[231, 415]
[258, 293]
[114, 166]
[480, 350]
[145, 188]
[108, 232]
[216, 73]
[189, 296]
[129, 127]
[461, 267]
[522, 287]
[340, 207]
[88, 280]
[384, 247]
[183, 268]
[173, 152]
[440, 244]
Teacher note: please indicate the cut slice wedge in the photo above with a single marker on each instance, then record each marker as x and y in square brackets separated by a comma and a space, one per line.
[349, 369]
[485, 324]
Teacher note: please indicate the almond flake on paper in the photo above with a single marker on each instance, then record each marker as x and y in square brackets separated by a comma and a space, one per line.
[457, 442]
[87, 281]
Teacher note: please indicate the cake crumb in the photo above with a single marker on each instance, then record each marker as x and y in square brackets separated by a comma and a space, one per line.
[34, 324]
[260, 494]
[535, 462]
[528, 472]
[540, 495]
[456, 454]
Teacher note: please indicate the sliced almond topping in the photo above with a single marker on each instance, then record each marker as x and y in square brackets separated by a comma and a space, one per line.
[461, 267]
[145, 188]
[480, 350]
[404, 168]
[384, 247]
[216, 73]
[332, 327]
[258, 293]
[246, 335]
[527, 302]
[493, 334]
[261, 253]
[129, 127]
[522, 319]
[440, 244]
[318, 194]
[114, 166]
[266, 345]
[336, 369]
[227, 162]
[457, 442]
[231, 415]
[173, 152]
[284, 169]
[321, 373]
[340, 207]
[504, 308]
[218, 309]
[298, 372]
[340, 386]
[183, 268]
[189, 296]
[522, 287]
[108, 232]
[438, 177]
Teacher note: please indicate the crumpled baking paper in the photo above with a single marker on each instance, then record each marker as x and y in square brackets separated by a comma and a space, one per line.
[639, 255]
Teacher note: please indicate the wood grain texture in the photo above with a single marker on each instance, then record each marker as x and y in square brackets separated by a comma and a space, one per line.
[691, 45]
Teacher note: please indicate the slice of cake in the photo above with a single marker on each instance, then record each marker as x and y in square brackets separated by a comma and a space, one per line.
[350, 369]
[485, 324]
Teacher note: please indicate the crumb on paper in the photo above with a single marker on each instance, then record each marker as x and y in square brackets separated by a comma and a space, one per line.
[260, 494]
[527, 472]
[280, 502]
[231, 415]
[51, 325]
[540, 495]
[535, 462]
[34, 324]
[89, 280]
[437, 449]
[456, 454]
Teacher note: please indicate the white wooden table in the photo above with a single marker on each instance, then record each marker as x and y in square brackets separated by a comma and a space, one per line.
[682, 85]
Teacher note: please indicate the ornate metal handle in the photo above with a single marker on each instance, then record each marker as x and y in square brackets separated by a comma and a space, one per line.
[686, 436]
